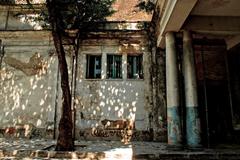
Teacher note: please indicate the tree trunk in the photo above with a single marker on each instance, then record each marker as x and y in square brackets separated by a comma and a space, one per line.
[65, 139]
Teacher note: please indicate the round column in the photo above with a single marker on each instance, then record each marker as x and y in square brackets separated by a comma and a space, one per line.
[173, 99]
[193, 137]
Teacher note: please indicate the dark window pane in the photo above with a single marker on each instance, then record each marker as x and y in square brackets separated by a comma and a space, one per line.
[93, 66]
[114, 66]
[135, 69]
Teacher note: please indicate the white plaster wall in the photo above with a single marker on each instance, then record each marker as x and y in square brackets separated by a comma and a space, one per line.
[27, 99]
[32, 99]
[112, 99]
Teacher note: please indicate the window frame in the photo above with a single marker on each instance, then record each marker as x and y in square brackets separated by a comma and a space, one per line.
[87, 75]
[116, 74]
[138, 66]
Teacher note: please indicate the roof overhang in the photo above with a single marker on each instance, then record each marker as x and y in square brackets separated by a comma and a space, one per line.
[212, 17]
[173, 17]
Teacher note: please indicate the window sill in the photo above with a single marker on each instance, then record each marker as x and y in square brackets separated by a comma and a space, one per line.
[89, 79]
[137, 79]
[113, 79]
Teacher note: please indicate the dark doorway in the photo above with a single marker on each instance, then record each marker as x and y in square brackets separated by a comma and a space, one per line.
[234, 74]
[213, 92]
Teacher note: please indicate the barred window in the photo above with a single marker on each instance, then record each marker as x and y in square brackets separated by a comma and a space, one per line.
[135, 68]
[114, 66]
[93, 66]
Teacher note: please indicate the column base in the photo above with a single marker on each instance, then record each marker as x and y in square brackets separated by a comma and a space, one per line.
[194, 148]
[175, 147]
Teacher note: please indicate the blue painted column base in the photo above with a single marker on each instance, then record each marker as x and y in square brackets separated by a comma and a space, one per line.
[193, 136]
[174, 128]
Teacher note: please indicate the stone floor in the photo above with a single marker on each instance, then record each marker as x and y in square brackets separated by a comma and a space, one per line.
[106, 150]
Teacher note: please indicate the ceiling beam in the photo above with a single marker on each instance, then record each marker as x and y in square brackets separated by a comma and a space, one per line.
[217, 8]
[173, 17]
[221, 25]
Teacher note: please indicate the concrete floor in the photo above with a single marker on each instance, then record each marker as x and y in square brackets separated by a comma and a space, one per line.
[106, 150]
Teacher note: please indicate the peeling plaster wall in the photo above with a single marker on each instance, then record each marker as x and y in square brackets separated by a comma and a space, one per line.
[27, 81]
[30, 92]
[114, 99]
[30, 88]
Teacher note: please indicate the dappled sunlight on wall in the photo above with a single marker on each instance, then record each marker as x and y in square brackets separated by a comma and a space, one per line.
[109, 100]
[114, 105]
[111, 107]
[32, 91]
[27, 98]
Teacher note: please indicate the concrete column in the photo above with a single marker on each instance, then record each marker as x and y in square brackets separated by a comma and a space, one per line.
[173, 100]
[124, 66]
[104, 66]
[192, 118]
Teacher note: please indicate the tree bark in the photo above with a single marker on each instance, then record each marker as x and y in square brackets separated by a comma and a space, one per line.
[65, 140]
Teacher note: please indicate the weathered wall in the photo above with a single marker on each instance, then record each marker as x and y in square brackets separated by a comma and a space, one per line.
[117, 101]
[105, 108]
[159, 112]
[28, 81]
[30, 90]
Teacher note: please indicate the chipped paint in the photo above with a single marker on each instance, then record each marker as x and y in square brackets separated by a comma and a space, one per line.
[174, 129]
[193, 127]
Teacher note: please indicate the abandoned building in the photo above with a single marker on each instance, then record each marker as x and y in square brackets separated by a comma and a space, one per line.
[172, 79]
